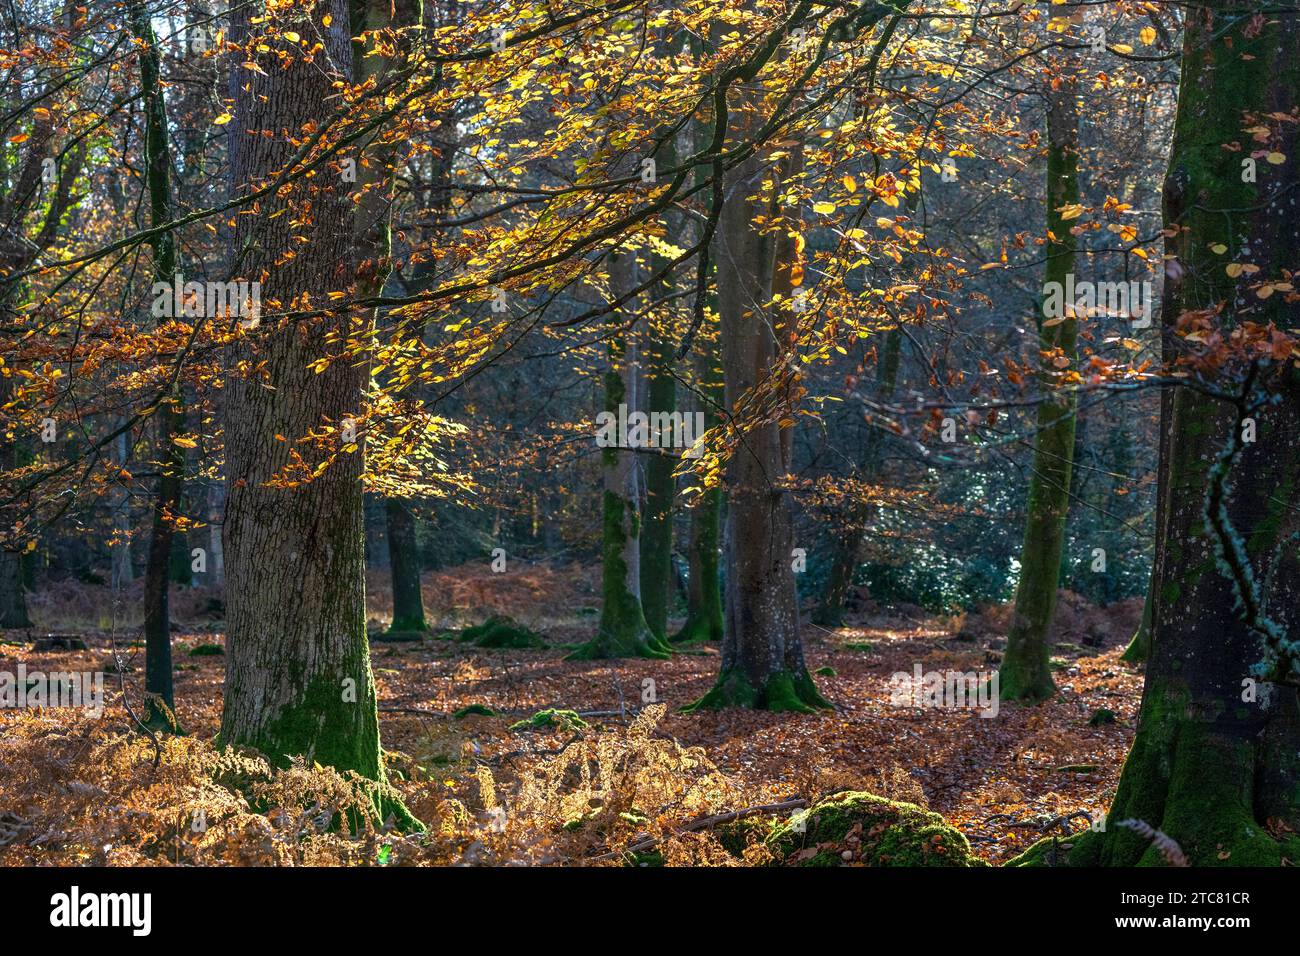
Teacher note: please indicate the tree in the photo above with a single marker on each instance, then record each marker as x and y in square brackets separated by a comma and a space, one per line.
[703, 590]
[844, 559]
[19, 250]
[298, 677]
[762, 653]
[160, 701]
[1025, 672]
[623, 630]
[1214, 764]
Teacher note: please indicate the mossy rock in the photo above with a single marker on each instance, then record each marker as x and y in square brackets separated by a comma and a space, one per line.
[1100, 716]
[475, 710]
[826, 672]
[736, 835]
[890, 834]
[563, 719]
[207, 650]
[501, 631]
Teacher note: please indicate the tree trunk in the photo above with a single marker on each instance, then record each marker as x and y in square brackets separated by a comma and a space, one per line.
[844, 561]
[1025, 673]
[657, 531]
[704, 593]
[1214, 765]
[298, 677]
[762, 654]
[13, 599]
[159, 699]
[623, 631]
[1140, 644]
[404, 562]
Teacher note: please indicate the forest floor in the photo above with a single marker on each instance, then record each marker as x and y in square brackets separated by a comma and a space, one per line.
[998, 780]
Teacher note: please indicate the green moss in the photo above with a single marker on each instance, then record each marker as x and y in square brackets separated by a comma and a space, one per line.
[623, 631]
[1050, 851]
[207, 650]
[699, 629]
[1101, 716]
[403, 630]
[501, 631]
[825, 672]
[783, 691]
[564, 719]
[478, 710]
[889, 834]
[736, 835]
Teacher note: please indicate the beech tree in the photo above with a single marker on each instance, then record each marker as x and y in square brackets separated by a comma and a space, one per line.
[298, 677]
[1214, 762]
[1025, 672]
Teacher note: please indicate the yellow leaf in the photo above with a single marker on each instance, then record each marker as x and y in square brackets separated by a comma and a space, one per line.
[1147, 35]
[825, 208]
[222, 120]
[1072, 211]
[1218, 248]
[850, 184]
[1277, 159]
[1234, 269]
[292, 37]
[1122, 48]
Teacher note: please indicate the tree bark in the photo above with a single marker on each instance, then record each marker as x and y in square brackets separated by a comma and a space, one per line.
[298, 676]
[623, 631]
[404, 564]
[169, 421]
[762, 653]
[1025, 673]
[704, 621]
[1213, 766]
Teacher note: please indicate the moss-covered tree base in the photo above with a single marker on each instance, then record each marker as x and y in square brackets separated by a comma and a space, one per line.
[887, 832]
[783, 691]
[1136, 652]
[698, 630]
[400, 635]
[639, 642]
[501, 632]
[404, 629]
[1025, 677]
[1196, 784]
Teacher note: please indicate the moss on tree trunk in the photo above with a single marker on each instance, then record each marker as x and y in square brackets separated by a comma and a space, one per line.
[762, 654]
[1216, 761]
[623, 631]
[298, 677]
[1025, 673]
